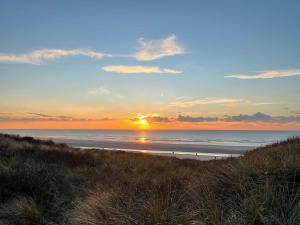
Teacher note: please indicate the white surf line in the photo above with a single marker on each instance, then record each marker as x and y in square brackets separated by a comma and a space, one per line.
[164, 152]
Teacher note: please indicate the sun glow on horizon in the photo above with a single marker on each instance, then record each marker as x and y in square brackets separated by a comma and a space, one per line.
[142, 122]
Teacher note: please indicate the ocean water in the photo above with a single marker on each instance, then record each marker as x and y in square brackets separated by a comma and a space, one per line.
[182, 137]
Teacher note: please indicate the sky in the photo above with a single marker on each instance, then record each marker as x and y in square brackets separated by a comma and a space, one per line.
[150, 64]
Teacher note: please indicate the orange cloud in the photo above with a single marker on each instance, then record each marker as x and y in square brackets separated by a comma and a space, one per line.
[156, 49]
[138, 69]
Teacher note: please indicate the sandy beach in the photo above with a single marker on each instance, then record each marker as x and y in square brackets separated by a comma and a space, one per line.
[192, 156]
[181, 151]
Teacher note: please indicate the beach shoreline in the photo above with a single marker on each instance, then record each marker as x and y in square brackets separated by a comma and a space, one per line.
[175, 154]
[180, 151]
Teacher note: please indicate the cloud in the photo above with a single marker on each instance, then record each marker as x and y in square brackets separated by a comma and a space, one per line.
[39, 57]
[184, 103]
[196, 119]
[99, 91]
[156, 49]
[255, 117]
[103, 91]
[267, 74]
[286, 119]
[159, 119]
[151, 117]
[138, 69]
[38, 117]
[295, 112]
[261, 117]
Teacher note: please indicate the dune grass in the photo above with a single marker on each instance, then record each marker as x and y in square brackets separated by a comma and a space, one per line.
[46, 183]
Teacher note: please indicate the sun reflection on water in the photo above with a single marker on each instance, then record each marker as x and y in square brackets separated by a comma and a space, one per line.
[143, 140]
[143, 137]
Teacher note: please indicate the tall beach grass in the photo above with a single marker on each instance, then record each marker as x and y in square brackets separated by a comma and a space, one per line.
[46, 183]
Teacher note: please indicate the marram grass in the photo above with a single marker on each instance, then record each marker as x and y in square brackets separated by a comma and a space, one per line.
[46, 183]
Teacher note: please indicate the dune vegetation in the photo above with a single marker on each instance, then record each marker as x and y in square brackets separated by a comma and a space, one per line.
[46, 183]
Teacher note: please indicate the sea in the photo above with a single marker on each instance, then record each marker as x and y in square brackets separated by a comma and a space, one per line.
[178, 141]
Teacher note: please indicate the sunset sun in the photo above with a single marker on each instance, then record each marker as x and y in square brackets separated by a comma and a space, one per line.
[142, 122]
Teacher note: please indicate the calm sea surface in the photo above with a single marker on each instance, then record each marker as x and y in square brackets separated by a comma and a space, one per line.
[186, 137]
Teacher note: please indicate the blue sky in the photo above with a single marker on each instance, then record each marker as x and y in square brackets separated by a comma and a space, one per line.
[209, 41]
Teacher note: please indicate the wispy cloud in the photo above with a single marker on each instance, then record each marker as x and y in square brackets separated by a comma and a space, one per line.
[147, 51]
[182, 118]
[103, 91]
[138, 69]
[267, 74]
[39, 57]
[38, 117]
[184, 103]
[99, 91]
[156, 49]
